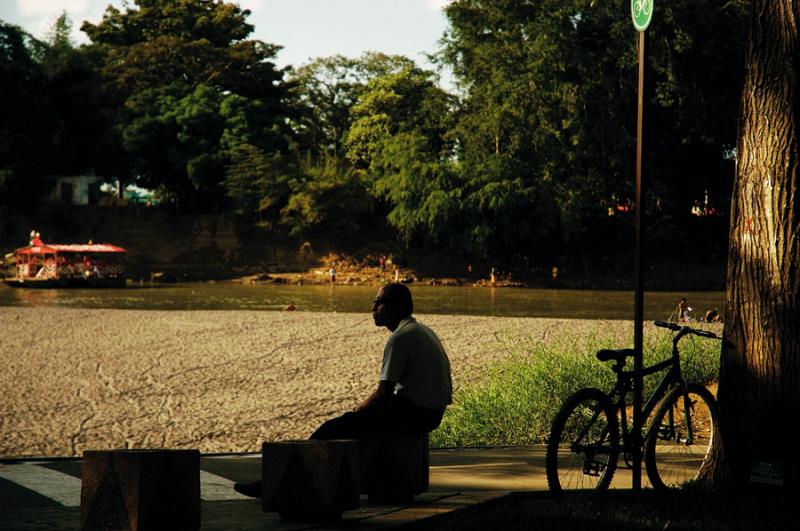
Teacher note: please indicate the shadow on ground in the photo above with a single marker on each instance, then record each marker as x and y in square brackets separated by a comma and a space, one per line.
[625, 510]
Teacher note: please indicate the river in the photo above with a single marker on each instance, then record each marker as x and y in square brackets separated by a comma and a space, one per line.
[577, 304]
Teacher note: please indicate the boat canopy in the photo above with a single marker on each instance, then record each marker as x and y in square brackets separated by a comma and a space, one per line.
[52, 248]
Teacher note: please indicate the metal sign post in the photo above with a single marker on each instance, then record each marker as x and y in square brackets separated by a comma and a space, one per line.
[642, 15]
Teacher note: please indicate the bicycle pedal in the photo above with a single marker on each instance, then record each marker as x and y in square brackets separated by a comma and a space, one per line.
[593, 468]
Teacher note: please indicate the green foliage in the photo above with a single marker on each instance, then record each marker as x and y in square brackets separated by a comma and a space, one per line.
[417, 184]
[256, 181]
[326, 197]
[194, 90]
[516, 402]
[22, 96]
[523, 165]
[402, 101]
[551, 86]
[325, 90]
[50, 123]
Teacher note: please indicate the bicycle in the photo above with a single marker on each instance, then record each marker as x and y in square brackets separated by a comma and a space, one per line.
[591, 428]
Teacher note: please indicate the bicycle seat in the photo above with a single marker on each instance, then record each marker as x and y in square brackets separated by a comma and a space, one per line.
[618, 355]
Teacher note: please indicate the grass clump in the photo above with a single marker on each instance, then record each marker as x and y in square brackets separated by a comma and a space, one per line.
[515, 403]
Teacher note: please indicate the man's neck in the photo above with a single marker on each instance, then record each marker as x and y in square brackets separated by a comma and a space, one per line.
[395, 324]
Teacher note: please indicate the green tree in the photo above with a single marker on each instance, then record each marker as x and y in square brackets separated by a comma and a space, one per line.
[23, 99]
[192, 89]
[325, 89]
[257, 183]
[342, 106]
[329, 198]
[405, 100]
[78, 123]
[398, 140]
[551, 86]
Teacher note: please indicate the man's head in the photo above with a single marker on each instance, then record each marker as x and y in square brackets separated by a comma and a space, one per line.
[392, 304]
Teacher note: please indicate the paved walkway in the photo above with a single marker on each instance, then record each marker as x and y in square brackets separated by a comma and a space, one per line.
[46, 494]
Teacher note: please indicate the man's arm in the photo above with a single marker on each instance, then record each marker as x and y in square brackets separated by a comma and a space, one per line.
[383, 392]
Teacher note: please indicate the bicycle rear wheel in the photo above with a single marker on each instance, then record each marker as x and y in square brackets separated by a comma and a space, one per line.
[679, 443]
[584, 443]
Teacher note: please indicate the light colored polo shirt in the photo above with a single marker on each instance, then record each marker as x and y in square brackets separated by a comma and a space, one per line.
[416, 362]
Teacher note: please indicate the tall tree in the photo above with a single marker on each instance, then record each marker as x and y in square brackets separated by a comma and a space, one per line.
[398, 140]
[23, 100]
[759, 388]
[193, 89]
[78, 123]
[550, 86]
[326, 89]
[352, 113]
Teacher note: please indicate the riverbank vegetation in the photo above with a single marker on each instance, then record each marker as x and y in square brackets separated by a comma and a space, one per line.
[516, 402]
[526, 165]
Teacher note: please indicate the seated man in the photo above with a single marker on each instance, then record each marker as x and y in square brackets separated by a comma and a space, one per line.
[415, 384]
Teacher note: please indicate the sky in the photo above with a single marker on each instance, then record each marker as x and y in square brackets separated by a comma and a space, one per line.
[305, 28]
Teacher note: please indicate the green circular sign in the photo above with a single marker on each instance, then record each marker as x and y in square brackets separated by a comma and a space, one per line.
[641, 13]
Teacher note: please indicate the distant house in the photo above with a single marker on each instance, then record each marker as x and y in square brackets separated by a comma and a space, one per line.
[76, 189]
[96, 190]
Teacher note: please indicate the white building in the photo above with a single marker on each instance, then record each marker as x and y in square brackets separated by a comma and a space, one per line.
[75, 189]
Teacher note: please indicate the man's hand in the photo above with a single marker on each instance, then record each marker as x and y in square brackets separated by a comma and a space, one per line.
[383, 392]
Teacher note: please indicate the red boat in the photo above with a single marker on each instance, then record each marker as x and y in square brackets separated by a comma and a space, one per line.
[53, 265]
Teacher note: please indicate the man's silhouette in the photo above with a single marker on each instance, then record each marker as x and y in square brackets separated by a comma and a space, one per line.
[414, 388]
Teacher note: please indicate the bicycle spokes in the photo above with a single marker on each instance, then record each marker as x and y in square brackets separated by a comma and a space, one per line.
[583, 446]
[678, 449]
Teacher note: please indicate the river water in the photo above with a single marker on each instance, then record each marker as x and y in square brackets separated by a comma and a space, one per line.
[578, 304]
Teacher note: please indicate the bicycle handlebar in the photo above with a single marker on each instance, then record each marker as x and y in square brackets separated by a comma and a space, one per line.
[686, 329]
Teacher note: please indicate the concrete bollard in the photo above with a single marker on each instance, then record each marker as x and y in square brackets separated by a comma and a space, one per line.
[394, 469]
[140, 490]
[310, 481]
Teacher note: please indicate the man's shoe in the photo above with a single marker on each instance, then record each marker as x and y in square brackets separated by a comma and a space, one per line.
[249, 489]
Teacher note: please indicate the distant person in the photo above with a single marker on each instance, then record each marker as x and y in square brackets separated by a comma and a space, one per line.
[414, 386]
[382, 263]
[493, 278]
[712, 316]
[289, 307]
[332, 275]
[682, 311]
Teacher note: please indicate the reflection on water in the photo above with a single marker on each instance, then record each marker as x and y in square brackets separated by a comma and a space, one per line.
[427, 299]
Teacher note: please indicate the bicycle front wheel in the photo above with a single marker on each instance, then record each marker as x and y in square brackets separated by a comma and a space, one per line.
[679, 441]
[584, 443]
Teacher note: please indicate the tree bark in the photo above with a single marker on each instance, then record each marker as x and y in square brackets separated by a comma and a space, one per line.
[759, 388]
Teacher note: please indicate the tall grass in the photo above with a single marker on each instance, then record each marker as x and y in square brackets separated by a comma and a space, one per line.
[515, 403]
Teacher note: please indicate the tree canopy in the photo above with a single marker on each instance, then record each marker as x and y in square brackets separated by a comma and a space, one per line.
[529, 161]
[192, 89]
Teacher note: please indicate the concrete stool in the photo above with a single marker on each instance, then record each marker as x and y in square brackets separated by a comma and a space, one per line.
[140, 490]
[394, 469]
[310, 481]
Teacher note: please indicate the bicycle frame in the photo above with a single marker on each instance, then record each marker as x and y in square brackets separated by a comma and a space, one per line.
[624, 385]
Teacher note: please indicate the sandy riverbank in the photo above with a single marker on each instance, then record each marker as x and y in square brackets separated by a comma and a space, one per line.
[214, 380]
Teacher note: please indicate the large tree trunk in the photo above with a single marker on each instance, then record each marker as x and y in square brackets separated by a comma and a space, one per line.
[759, 388]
